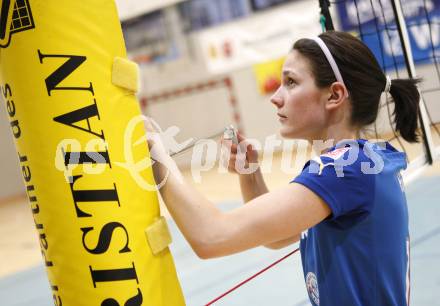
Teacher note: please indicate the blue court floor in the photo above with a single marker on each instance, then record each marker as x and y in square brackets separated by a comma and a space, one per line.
[203, 280]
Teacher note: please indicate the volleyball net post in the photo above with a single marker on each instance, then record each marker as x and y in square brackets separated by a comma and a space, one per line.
[395, 26]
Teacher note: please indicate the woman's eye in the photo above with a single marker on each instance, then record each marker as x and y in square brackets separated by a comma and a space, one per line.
[289, 82]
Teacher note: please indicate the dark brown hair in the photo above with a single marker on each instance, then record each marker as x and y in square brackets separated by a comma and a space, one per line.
[364, 80]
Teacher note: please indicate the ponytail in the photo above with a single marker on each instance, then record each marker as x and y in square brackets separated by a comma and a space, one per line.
[406, 97]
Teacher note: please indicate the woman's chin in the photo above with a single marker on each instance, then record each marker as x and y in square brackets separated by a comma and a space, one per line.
[288, 133]
[292, 134]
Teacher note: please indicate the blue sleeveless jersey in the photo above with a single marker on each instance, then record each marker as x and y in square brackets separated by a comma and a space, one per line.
[359, 255]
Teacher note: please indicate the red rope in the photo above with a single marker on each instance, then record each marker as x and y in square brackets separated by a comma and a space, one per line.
[250, 278]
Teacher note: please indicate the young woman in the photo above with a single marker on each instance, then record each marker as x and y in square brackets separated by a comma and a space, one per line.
[347, 207]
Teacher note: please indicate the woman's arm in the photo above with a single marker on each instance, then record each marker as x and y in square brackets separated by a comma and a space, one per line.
[283, 243]
[252, 185]
[271, 217]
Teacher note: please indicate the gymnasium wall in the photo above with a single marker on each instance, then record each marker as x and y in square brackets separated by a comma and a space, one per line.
[180, 92]
[11, 182]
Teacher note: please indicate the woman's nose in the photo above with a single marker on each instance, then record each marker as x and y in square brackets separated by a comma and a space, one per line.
[276, 99]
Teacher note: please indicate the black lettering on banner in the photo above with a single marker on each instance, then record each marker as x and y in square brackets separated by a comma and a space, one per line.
[105, 237]
[36, 209]
[133, 301]
[7, 92]
[81, 114]
[75, 158]
[15, 129]
[26, 173]
[47, 263]
[43, 241]
[38, 225]
[10, 107]
[6, 4]
[31, 198]
[57, 300]
[27, 176]
[22, 158]
[66, 69]
[100, 195]
[84, 119]
[112, 275]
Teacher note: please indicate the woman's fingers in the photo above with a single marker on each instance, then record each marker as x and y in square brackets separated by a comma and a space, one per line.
[148, 123]
[231, 165]
[240, 137]
[244, 152]
[228, 143]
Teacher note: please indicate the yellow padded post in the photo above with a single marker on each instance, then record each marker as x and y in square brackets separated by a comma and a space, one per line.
[158, 235]
[125, 74]
[92, 243]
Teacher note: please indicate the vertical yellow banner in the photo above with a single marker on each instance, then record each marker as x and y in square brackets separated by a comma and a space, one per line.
[69, 123]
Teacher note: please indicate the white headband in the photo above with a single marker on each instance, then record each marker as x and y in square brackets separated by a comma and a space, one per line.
[388, 84]
[330, 58]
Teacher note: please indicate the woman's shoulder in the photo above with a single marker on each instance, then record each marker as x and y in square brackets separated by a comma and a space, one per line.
[359, 157]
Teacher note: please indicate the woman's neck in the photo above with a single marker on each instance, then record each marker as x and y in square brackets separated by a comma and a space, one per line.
[331, 137]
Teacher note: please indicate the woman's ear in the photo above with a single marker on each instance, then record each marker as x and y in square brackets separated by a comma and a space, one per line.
[338, 95]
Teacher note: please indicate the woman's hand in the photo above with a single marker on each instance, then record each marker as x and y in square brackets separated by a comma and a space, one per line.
[163, 164]
[243, 158]
[155, 143]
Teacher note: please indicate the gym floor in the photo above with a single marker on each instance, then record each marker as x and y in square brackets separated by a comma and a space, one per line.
[23, 279]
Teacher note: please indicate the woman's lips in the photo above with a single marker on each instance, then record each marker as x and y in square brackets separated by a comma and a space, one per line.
[282, 117]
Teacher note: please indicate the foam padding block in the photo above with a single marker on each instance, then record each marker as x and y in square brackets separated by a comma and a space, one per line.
[158, 235]
[125, 74]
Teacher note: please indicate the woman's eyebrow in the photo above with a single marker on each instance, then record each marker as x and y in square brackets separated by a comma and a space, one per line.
[289, 72]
